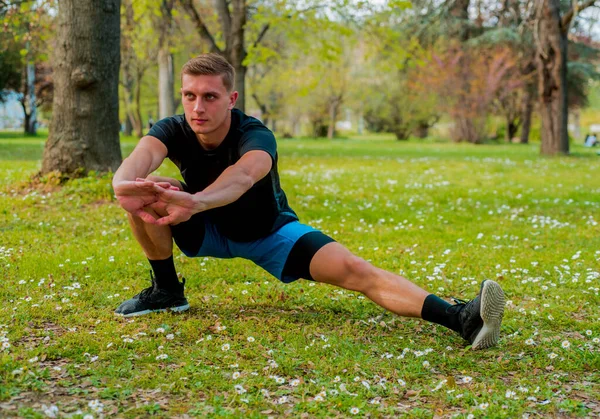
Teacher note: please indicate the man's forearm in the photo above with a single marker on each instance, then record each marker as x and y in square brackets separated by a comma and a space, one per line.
[138, 166]
[228, 188]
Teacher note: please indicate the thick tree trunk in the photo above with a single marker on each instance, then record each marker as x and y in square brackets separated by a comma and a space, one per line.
[166, 91]
[526, 113]
[84, 132]
[552, 70]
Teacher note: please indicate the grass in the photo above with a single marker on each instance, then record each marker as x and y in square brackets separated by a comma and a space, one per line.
[444, 215]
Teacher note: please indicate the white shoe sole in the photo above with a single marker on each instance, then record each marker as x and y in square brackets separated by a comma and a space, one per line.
[492, 311]
[160, 310]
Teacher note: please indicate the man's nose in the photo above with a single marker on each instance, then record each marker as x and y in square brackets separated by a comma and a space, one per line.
[199, 106]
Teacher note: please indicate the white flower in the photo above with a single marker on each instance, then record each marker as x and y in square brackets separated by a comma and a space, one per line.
[509, 394]
[588, 332]
[96, 406]
[160, 330]
[162, 356]
[318, 398]
[127, 340]
[401, 382]
[250, 339]
[50, 411]
[426, 364]
[239, 389]
[484, 406]
[552, 355]
[235, 375]
[279, 380]
[466, 379]
[34, 359]
[282, 399]
[5, 345]
[295, 382]
[366, 384]
[170, 336]
[596, 340]
[566, 344]
[354, 410]
[337, 379]
[88, 416]
[529, 342]
[225, 347]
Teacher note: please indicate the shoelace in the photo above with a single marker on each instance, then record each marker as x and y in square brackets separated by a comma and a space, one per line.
[146, 292]
[460, 301]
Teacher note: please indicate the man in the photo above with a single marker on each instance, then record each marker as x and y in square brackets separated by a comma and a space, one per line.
[231, 205]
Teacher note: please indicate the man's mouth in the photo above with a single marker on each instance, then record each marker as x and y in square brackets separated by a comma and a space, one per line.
[200, 121]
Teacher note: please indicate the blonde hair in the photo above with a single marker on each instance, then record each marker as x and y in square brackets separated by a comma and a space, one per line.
[211, 65]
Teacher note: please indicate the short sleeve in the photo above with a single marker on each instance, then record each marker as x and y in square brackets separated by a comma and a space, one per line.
[258, 138]
[166, 130]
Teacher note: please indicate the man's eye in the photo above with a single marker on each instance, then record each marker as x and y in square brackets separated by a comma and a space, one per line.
[189, 96]
[210, 97]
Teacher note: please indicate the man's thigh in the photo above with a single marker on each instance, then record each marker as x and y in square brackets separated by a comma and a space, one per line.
[286, 253]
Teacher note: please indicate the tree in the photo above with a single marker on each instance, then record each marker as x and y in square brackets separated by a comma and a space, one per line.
[84, 132]
[26, 29]
[232, 28]
[138, 52]
[166, 70]
[551, 39]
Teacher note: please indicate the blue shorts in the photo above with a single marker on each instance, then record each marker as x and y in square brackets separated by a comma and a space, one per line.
[291, 247]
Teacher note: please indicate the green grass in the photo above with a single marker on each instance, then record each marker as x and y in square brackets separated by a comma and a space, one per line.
[444, 215]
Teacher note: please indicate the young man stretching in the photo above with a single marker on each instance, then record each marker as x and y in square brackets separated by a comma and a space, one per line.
[231, 205]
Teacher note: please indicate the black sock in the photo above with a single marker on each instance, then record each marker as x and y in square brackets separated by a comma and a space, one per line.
[436, 310]
[164, 273]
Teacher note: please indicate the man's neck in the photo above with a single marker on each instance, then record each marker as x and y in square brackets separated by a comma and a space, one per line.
[214, 139]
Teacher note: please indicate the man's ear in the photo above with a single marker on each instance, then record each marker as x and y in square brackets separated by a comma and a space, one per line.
[232, 99]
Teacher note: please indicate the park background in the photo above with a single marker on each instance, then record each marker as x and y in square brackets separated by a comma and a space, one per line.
[440, 140]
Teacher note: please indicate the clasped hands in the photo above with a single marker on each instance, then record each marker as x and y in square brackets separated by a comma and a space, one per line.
[169, 205]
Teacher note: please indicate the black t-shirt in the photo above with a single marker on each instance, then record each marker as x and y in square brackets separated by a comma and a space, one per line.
[257, 213]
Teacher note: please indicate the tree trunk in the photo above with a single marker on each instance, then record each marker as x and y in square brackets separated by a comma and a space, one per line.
[128, 126]
[526, 112]
[166, 91]
[552, 66]
[84, 132]
[334, 107]
[577, 124]
[511, 130]
[235, 51]
[422, 130]
[31, 119]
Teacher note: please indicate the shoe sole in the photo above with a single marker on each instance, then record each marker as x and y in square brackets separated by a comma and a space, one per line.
[177, 309]
[492, 311]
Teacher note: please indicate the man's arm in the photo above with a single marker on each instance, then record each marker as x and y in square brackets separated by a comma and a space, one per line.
[235, 181]
[133, 195]
[143, 160]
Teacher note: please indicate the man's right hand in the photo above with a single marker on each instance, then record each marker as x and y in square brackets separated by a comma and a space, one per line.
[133, 196]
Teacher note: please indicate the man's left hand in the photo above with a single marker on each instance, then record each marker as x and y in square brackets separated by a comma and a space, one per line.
[179, 206]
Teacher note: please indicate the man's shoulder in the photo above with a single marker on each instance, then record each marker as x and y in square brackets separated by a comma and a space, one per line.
[175, 120]
[247, 122]
[169, 127]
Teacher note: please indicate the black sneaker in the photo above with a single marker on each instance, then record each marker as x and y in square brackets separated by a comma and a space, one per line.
[154, 299]
[480, 318]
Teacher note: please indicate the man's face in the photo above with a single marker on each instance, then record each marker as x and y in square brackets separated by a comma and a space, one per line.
[206, 102]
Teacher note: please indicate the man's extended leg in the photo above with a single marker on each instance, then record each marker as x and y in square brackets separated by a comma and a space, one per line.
[478, 321]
